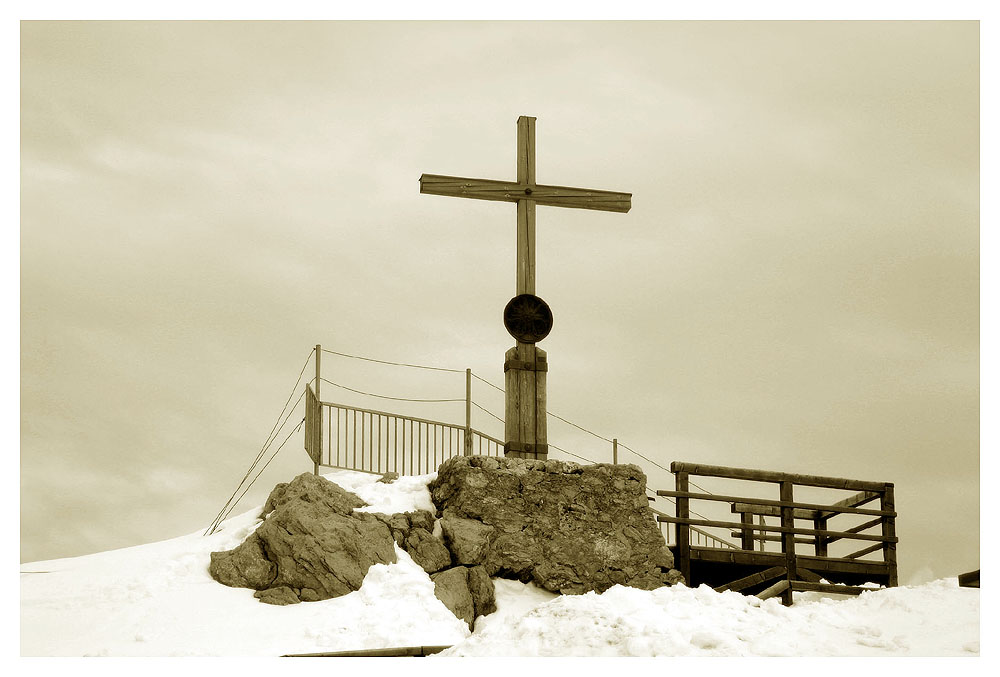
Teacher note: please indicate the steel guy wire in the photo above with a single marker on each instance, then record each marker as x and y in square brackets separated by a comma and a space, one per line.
[397, 364]
[294, 430]
[271, 435]
[387, 397]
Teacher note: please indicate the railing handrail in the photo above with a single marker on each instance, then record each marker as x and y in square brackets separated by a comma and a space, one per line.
[726, 472]
[415, 419]
[815, 507]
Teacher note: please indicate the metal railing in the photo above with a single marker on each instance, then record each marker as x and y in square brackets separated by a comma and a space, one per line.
[367, 440]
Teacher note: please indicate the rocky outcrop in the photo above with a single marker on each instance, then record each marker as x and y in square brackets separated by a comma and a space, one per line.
[566, 527]
[468, 592]
[311, 546]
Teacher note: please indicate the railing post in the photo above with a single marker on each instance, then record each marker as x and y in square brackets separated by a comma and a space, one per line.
[468, 412]
[319, 423]
[746, 535]
[820, 524]
[788, 540]
[889, 531]
[683, 531]
[614, 451]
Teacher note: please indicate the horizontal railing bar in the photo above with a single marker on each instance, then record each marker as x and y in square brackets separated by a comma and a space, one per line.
[771, 510]
[861, 527]
[864, 551]
[782, 504]
[807, 586]
[345, 407]
[773, 476]
[781, 530]
[344, 467]
[485, 436]
[775, 539]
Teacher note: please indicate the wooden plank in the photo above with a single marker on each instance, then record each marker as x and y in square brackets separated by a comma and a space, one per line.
[741, 557]
[745, 535]
[864, 551]
[753, 579]
[682, 530]
[772, 539]
[413, 651]
[780, 530]
[843, 565]
[511, 191]
[854, 501]
[889, 532]
[806, 586]
[807, 575]
[780, 504]
[771, 476]
[788, 539]
[770, 510]
[859, 528]
[777, 589]
[969, 580]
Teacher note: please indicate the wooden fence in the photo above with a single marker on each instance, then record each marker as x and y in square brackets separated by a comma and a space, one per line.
[753, 565]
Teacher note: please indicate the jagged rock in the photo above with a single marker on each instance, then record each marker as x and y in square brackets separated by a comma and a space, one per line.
[312, 541]
[388, 478]
[281, 596]
[569, 528]
[484, 595]
[467, 592]
[468, 539]
[426, 550]
[401, 523]
[246, 566]
[278, 490]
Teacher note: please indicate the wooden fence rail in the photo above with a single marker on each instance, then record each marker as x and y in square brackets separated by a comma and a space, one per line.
[747, 567]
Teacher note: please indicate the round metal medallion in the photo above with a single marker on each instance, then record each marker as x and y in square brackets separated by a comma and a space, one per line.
[527, 318]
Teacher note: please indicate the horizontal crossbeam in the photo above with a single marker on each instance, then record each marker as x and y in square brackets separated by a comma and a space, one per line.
[509, 191]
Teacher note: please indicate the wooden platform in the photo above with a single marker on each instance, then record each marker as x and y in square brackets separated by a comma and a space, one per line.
[802, 560]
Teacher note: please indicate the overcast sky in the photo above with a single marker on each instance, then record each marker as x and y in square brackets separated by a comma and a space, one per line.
[795, 288]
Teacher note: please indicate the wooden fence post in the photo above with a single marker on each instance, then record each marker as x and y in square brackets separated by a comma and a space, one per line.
[889, 531]
[820, 524]
[468, 412]
[788, 540]
[614, 451]
[683, 531]
[319, 423]
[746, 535]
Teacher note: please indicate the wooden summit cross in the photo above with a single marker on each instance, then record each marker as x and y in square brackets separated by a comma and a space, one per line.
[525, 365]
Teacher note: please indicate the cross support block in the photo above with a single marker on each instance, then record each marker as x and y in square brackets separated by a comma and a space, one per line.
[524, 380]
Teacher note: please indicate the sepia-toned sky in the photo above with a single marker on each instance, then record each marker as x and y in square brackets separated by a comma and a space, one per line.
[795, 288]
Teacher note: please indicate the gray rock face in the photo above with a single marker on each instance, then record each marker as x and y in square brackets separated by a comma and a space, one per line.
[568, 528]
[468, 592]
[312, 543]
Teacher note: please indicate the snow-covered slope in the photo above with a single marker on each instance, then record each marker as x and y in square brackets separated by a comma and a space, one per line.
[158, 600]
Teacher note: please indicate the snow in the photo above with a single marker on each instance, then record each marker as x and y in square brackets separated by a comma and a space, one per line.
[159, 600]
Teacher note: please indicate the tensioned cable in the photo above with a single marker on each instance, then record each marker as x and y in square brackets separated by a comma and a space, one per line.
[487, 411]
[218, 518]
[487, 382]
[570, 453]
[396, 364]
[386, 397]
[294, 430]
[270, 436]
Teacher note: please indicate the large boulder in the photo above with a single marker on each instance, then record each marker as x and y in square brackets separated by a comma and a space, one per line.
[467, 592]
[311, 546]
[566, 527]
